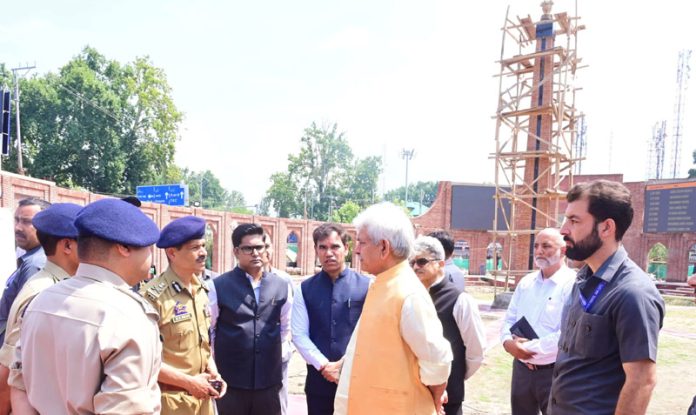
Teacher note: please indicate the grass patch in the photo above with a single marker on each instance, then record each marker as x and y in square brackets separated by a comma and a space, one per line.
[488, 391]
[680, 301]
[481, 296]
[676, 363]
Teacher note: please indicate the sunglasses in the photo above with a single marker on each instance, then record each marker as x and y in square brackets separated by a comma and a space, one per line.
[421, 261]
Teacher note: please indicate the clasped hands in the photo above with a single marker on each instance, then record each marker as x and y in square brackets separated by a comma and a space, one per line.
[332, 371]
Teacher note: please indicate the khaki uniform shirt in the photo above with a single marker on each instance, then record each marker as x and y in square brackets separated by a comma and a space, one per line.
[49, 275]
[90, 345]
[184, 325]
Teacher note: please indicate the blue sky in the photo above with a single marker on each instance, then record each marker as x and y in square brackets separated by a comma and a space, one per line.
[250, 76]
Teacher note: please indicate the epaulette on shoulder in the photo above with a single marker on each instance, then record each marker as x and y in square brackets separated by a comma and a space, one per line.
[155, 290]
[204, 284]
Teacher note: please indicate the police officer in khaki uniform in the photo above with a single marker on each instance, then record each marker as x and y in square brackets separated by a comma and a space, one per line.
[189, 377]
[57, 234]
[89, 344]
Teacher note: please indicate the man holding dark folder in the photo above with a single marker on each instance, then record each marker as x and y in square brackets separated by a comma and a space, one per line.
[532, 324]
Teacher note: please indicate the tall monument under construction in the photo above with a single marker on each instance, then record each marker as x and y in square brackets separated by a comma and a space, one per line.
[536, 128]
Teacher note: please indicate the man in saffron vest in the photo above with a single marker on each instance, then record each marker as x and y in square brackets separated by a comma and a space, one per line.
[397, 361]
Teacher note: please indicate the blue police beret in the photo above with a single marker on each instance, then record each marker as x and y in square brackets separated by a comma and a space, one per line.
[117, 221]
[181, 230]
[57, 220]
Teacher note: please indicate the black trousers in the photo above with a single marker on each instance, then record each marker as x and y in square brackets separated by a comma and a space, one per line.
[530, 389]
[250, 402]
[319, 404]
[453, 408]
[692, 408]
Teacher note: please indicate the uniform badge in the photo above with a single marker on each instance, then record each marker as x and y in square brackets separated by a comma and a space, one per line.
[180, 313]
[182, 317]
[180, 309]
[177, 286]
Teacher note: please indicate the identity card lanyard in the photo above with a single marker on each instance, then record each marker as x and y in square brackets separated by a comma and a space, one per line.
[587, 304]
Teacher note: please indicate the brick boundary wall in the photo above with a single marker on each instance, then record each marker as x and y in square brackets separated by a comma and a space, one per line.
[636, 242]
[16, 187]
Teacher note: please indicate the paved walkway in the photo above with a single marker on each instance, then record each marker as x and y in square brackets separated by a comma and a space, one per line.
[297, 405]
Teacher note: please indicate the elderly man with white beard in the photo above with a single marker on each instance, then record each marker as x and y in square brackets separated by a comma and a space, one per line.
[538, 299]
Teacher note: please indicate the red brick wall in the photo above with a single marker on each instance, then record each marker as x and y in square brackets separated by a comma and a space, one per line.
[637, 243]
[15, 187]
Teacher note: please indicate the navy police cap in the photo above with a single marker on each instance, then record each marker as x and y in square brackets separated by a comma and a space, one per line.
[117, 221]
[181, 230]
[57, 220]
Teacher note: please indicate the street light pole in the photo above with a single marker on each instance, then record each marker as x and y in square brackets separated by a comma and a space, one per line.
[407, 155]
[20, 162]
[202, 191]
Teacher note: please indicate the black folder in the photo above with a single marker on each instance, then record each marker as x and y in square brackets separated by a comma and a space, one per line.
[523, 329]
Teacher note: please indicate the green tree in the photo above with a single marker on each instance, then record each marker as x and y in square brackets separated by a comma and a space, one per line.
[692, 172]
[346, 213]
[99, 124]
[321, 166]
[322, 177]
[423, 192]
[361, 182]
[283, 196]
[214, 195]
[658, 253]
[5, 77]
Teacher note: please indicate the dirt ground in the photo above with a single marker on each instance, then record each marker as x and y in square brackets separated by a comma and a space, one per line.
[487, 392]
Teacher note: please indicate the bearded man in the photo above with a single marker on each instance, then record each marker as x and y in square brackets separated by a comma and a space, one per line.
[539, 299]
[608, 344]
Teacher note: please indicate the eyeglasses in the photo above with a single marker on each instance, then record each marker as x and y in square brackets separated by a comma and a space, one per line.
[421, 261]
[250, 249]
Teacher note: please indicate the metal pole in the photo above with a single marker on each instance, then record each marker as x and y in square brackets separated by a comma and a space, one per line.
[201, 191]
[407, 155]
[406, 187]
[20, 161]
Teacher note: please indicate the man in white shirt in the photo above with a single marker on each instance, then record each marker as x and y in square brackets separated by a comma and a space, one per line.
[325, 310]
[539, 298]
[458, 313]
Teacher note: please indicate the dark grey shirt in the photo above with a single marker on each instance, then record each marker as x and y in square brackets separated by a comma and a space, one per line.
[621, 326]
[455, 274]
[27, 265]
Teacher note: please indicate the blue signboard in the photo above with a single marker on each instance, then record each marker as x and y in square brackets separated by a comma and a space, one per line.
[166, 194]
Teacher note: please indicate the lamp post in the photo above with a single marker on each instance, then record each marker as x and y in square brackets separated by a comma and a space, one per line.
[17, 76]
[407, 155]
[201, 195]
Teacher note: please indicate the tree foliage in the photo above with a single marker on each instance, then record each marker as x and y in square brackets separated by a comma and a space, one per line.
[423, 192]
[214, 195]
[658, 253]
[346, 213]
[322, 177]
[107, 127]
[99, 124]
[692, 172]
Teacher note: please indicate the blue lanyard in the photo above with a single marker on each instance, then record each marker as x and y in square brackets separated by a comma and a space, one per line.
[587, 304]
